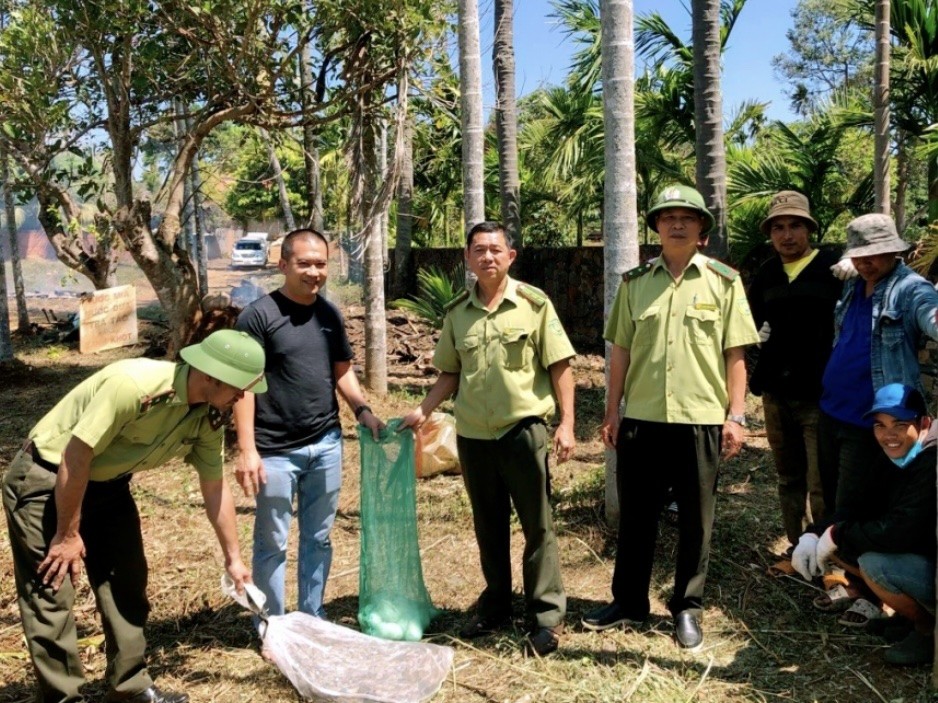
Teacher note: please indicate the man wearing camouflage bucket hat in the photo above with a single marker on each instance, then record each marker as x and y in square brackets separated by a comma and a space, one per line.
[678, 328]
[793, 293]
[67, 500]
[879, 323]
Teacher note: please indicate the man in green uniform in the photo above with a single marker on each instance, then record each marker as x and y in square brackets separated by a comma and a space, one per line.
[67, 499]
[678, 328]
[504, 349]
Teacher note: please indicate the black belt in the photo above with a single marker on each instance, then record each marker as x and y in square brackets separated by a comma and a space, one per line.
[38, 460]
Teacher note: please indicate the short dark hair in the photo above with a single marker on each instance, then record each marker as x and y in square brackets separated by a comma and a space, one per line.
[489, 227]
[286, 249]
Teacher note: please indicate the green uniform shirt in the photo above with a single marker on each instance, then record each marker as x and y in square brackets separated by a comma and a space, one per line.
[676, 333]
[502, 357]
[135, 415]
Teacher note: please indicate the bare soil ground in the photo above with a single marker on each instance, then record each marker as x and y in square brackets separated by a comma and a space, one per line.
[764, 642]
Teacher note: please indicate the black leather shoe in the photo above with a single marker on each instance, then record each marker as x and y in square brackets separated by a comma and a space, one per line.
[687, 631]
[481, 625]
[608, 616]
[544, 640]
[150, 695]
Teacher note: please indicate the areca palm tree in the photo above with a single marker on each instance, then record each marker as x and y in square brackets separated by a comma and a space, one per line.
[881, 107]
[708, 116]
[506, 119]
[620, 221]
[470, 84]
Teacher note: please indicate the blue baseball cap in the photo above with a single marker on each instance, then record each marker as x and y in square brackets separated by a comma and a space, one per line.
[902, 402]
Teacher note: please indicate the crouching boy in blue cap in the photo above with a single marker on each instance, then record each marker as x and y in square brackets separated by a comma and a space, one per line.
[890, 542]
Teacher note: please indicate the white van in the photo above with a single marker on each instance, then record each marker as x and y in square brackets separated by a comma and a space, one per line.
[250, 251]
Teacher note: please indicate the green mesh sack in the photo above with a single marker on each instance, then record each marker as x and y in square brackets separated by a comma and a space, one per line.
[393, 602]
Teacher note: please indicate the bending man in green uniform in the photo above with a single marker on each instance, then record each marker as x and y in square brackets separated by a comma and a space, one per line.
[67, 499]
[504, 349]
[678, 329]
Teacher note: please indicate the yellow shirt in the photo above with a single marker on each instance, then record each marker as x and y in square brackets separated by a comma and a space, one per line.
[502, 358]
[676, 333]
[795, 267]
[135, 415]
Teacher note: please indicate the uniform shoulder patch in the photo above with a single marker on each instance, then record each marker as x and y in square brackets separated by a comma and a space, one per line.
[719, 267]
[636, 272]
[153, 401]
[532, 295]
[457, 300]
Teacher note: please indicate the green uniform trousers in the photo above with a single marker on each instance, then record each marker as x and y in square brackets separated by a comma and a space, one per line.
[497, 473]
[117, 572]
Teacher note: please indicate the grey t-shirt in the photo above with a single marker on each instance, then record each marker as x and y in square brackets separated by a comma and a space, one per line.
[302, 342]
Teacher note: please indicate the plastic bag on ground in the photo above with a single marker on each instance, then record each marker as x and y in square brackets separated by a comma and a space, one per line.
[328, 662]
[436, 446]
[393, 602]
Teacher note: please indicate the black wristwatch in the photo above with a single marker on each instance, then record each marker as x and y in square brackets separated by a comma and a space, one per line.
[360, 409]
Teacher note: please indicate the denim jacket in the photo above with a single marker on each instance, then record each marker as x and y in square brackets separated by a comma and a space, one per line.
[904, 308]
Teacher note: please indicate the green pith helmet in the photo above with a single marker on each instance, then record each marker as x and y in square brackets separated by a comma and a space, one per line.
[230, 356]
[677, 195]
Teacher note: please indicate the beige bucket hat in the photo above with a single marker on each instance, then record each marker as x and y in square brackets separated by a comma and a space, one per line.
[792, 203]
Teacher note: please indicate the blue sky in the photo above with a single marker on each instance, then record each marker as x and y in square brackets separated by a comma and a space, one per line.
[542, 51]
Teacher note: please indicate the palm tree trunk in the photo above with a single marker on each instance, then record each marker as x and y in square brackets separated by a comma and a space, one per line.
[19, 289]
[708, 117]
[470, 101]
[881, 110]
[902, 178]
[405, 222]
[376, 361]
[506, 119]
[620, 217]
[6, 340]
[383, 168]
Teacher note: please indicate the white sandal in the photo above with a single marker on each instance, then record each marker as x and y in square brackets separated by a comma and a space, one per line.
[862, 611]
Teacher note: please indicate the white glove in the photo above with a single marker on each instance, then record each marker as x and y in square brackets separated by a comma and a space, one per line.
[764, 332]
[825, 549]
[844, 270]
[804, 558]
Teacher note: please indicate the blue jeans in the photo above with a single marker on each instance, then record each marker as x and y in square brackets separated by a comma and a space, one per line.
[903, 574]
[313, 474]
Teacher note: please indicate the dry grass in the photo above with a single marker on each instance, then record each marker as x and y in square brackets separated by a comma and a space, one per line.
[763, 642]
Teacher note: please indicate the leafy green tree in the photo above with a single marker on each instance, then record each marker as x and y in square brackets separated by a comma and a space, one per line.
[47, 113]
[914, 81]
[829, 54]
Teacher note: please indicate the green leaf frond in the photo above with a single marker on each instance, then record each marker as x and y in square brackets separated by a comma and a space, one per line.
[435, 290]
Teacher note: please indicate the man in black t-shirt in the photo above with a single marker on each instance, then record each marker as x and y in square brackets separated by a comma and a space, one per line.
[290, 438]
[794, 292]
